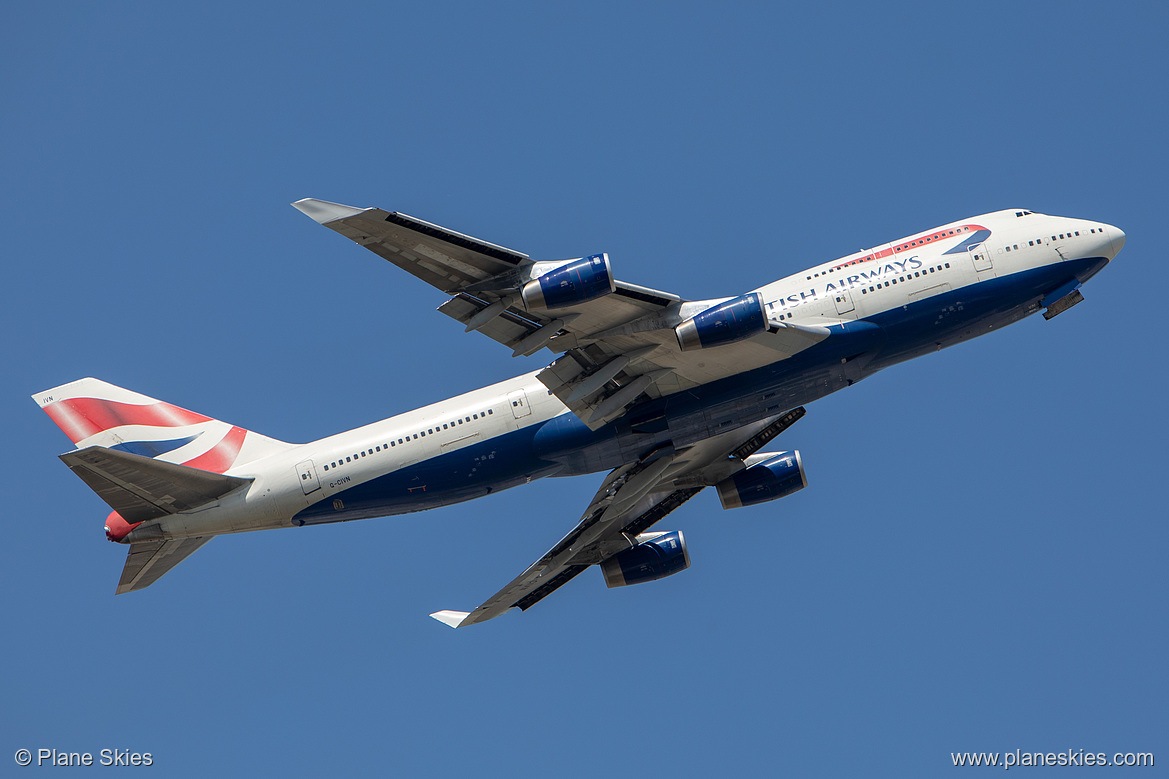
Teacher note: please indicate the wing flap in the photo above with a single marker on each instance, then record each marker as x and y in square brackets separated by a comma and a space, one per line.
[140, 488]
[566, 575]
[508, 328]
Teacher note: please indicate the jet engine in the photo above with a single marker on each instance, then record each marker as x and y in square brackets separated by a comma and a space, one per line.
[576, 281]
[768, 476]
[726, 323]
[656, 556]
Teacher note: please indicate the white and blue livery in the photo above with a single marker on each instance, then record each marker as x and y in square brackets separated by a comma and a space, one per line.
[669, 396]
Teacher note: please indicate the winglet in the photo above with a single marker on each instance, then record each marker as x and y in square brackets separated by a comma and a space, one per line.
[452, 618]
[322, 211]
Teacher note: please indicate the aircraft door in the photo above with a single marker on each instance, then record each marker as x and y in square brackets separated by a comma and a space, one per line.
[980, 256]
[306, 474]
[519, 404]
[843, 300]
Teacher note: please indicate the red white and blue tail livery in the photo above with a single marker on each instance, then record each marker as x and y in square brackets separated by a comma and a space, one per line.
[95, 413]
[667, 395]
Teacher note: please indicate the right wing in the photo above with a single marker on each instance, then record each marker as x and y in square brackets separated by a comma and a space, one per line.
[614, 348]
[630, 500]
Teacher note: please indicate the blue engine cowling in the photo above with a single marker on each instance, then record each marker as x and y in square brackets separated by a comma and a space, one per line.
[725, 323]
[656, 557]
[771, 477]
[573, 282]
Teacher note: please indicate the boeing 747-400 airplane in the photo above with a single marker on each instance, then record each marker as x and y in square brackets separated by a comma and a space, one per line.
[668, 395]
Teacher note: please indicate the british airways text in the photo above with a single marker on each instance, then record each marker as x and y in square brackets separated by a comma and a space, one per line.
[864, 277]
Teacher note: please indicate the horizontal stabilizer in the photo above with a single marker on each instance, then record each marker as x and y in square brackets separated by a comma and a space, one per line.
[147, 561]
[452, 618]
[140, 488]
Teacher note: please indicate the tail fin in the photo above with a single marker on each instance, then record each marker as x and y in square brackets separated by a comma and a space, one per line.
[95, 413]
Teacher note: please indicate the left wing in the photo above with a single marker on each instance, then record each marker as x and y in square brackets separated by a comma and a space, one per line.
[630, 500]
[617, 339]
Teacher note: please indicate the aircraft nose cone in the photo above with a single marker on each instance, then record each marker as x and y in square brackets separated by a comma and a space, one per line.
[1117, 236]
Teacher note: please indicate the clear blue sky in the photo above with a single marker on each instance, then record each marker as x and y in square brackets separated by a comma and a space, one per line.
[978, 563]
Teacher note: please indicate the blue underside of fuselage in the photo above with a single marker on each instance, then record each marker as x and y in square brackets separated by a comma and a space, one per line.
[564, 446]
[472, 472]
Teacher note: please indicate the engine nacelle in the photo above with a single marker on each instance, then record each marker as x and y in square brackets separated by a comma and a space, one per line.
[768, 476]
[725, 323]
[656, 556]
[576, 281]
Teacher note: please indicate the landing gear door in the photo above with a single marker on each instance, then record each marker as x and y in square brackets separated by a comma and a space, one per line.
[306, 474]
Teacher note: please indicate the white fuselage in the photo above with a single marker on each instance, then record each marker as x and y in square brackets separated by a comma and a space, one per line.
[502, 435]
